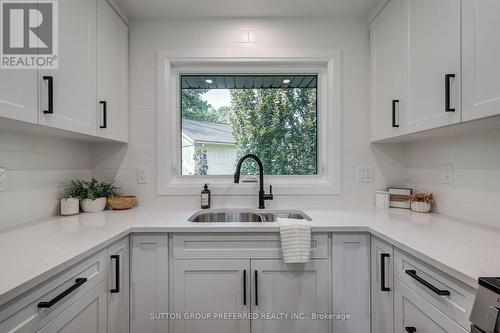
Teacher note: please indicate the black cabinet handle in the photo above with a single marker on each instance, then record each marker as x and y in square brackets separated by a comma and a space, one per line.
[50, 100]
[410, 329]
[116, 258]
[414, 275]
[244, 287]
[256, 289]
[382, 271]
[104, 114]
[447, 93]
[78, 283]
[394, 102]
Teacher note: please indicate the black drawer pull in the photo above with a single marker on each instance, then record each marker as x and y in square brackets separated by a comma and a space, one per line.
[394, 102]
[78, 283]
[244, 287]
[50, 95]
[447, 93]
[256, 289]
[410, 329]
[382, 271]
[414, 275]
[104, 114]
[116, 289]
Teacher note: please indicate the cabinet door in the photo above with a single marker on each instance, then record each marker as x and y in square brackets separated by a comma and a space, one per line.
[351, 281]
[412, 311]
[112, 64]
[382, 277]
[290, 289]
[118, 287]
[18, 94]
[74, 82]
[148, 283]
[480, 54]
[87, 315]
[211, 286]
[385, 48]
[431, 51]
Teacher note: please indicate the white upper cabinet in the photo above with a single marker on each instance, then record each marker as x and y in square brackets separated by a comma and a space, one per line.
[112, 65]
[385, 39]
[18, 94]
[431, 64]
[480, 57]
[73, 84]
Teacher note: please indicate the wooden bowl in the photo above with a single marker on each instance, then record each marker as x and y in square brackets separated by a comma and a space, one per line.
[121, 202]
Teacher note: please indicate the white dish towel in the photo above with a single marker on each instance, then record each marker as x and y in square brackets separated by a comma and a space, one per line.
[295, 240]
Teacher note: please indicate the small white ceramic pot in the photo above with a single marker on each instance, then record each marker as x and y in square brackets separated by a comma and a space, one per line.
[420, 207]
[70, 206]
[93, 206]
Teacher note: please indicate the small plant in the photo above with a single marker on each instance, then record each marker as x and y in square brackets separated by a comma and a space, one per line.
[91, 189]
[422, 197]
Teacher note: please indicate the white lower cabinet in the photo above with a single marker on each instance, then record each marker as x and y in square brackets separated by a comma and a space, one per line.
[118, 287]
[413, 314]
[87, 315]
[382, 286]
[291, 289]
[148, 282]
[351, 282]
[210, 287]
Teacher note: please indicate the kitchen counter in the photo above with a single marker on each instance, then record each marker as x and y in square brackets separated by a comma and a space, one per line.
[33, 253]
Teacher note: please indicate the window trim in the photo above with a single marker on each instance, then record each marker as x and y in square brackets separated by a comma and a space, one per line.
[324, 63]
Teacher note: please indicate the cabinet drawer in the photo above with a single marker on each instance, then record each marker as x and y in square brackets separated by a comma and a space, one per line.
[421, 278]
[23, 314]
[228, 246]
[412, 313]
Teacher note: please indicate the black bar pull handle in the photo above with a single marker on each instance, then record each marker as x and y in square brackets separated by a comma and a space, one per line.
[435, 290]
[410, 329]
[78, 283]
[244, 287]
[394, 102]
[50, 94]
[104, 114]
[116, 258]
[382, 271]
[447, 93]
[256, 288]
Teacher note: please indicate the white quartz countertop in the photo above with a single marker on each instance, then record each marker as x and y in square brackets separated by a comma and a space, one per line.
[35, 252]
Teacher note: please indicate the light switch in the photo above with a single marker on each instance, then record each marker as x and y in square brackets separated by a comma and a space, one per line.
[3, 179]
[142, 175]
[365, 174]
[447, 173]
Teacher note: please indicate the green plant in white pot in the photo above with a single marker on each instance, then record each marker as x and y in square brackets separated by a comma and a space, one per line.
[92, 193]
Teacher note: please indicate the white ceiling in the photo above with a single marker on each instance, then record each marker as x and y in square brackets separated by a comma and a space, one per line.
[244, 8]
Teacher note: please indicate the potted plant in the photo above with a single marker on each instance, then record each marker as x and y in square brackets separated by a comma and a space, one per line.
[92, 193]
[70, 204]
[421, 202]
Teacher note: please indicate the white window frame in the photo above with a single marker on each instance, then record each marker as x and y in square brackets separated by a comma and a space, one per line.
[326, 64]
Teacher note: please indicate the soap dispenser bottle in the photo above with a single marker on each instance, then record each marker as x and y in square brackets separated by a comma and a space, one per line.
[205, 197]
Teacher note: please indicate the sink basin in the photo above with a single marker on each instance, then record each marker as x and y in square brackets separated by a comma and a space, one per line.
[214, 216]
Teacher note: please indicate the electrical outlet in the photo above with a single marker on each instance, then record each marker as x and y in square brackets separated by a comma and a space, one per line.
[3, 179]
[142, 175]
[447, 173]
[365, 174]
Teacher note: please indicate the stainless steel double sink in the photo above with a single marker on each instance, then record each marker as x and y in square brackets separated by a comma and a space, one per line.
[245, 215]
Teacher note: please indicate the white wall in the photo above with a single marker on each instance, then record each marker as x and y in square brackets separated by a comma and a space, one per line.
[350, 36]
[38, 169]
[475, 192]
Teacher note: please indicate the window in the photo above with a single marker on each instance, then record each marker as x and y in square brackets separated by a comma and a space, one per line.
[227, 116]
[216, 105]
